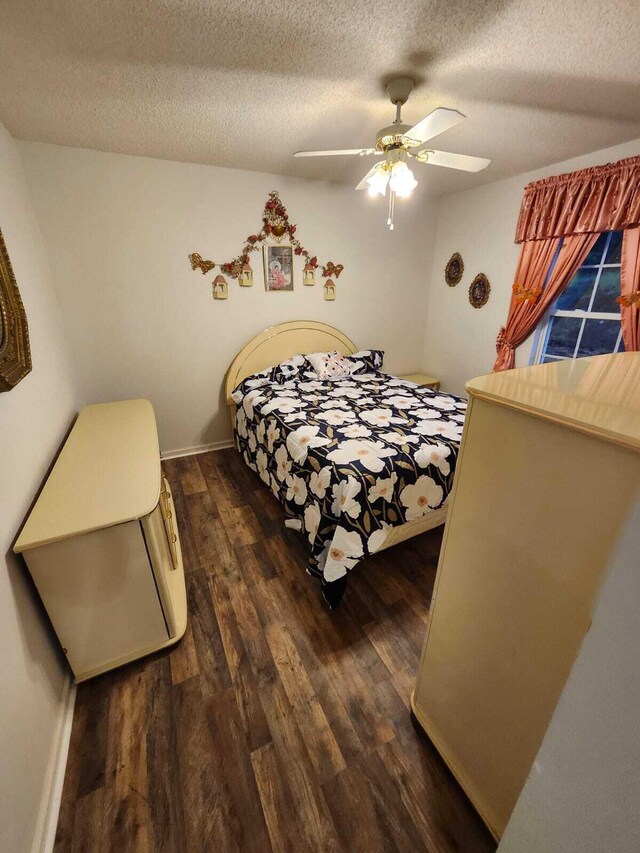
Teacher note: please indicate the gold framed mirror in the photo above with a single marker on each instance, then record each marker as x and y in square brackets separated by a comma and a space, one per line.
[15, 353]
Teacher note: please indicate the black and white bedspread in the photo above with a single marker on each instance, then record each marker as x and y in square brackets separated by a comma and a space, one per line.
[349, 458]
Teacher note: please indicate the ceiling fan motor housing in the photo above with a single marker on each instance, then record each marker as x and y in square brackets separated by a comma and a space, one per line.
[391, 136]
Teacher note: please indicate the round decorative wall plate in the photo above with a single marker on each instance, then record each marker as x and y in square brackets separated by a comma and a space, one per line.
[479, 290]
[454, 269]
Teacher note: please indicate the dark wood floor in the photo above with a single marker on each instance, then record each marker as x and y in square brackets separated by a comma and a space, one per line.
[274, 724]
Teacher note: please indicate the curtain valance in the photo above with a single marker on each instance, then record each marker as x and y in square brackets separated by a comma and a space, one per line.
[602, 198]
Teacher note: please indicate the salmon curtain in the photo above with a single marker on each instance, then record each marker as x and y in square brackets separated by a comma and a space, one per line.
[630, 289]
[602, 198]
[533, 293]
[575, 208]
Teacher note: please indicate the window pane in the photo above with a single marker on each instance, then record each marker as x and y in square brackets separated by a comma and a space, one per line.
[578, 292]
[549, 358]
[563, 336]
[614, 251]
[608, 290]
[599, 336]
[596, 253]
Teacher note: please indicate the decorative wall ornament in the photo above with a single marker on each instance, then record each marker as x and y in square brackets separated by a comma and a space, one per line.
[278, 267]
[454, 269]
[15, 353]
[220, 289]
[198, 264]
[329, 290]
[308, 275]
[522, 294]
[479, 290]
[332, 269]
[276, 227]
[245, 279]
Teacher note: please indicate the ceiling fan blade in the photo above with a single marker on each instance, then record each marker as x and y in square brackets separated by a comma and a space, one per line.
[434, 124]
[363, 185]
[451, 161]
[362, 151]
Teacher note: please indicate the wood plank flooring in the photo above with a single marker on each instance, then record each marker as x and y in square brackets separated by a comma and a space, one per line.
[274, 725]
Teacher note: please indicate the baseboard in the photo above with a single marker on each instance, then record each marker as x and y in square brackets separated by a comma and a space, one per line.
[45, 834]
[198, 448]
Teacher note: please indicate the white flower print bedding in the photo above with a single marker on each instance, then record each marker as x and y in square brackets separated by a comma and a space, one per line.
[348, 458]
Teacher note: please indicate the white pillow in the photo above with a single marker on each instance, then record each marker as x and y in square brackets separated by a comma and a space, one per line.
[329, 365]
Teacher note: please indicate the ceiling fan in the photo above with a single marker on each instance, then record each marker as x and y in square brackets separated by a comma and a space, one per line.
[398, 142]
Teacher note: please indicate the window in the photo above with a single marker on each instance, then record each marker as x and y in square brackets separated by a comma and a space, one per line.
[585, 318]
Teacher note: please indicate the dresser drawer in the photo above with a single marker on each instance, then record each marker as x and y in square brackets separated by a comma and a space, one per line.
[169, 519]
[163, 544]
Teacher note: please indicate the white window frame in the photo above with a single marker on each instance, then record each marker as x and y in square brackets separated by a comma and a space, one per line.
[541, 335]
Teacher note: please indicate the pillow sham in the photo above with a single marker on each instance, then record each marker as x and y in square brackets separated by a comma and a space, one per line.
[288, 369]
[329, 365]
[249, 383]
[366, 360]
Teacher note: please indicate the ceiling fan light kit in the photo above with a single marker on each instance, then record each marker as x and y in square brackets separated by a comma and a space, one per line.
[397, 142]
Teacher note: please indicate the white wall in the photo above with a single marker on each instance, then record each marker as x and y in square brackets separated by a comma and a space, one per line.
[142, 323]
[34, 418]
[480, 224]
[583, 791]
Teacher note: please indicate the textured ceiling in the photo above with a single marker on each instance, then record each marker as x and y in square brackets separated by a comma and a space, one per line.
[247, 84]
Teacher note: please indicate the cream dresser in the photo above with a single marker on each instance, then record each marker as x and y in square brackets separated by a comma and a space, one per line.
[548, 473]
[102, 545]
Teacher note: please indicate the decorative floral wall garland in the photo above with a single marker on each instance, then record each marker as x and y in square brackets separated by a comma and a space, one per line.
[275, 225]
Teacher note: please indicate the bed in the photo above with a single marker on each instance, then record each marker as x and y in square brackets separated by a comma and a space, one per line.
[359, 463]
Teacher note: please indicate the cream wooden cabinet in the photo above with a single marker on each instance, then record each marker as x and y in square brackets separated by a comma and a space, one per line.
[102, 545]
[548, 473]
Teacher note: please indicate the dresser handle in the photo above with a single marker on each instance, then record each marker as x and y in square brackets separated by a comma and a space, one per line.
[174, 539]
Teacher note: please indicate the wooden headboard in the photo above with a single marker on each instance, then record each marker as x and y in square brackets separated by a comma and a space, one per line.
[280, 342]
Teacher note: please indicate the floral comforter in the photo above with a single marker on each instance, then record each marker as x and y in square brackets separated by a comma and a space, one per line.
[348, 459]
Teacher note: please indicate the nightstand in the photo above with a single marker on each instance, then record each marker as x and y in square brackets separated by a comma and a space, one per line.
[423, 379]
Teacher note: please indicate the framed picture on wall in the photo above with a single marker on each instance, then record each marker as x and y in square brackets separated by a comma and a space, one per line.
[15, 352]
[278, 267]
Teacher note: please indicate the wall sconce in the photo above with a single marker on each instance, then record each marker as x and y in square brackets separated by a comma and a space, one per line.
[245, 278]
[220, 288]
[308, 275]
[329, 290]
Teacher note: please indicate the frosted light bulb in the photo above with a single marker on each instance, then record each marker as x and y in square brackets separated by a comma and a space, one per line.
[378, 183]
[402, 181]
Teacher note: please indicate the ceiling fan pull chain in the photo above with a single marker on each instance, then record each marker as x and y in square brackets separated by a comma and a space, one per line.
[392, 209]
